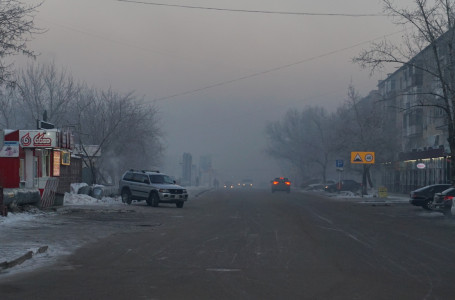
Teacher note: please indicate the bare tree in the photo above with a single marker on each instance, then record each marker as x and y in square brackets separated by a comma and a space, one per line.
[428, 49]
[304, 139]
[124, 128]
[16, 28]
[321, 143]
[360, 127]
[43, 88]
[121, 127]
[7, 108]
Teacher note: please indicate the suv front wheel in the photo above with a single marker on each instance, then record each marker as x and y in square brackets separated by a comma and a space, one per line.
[153, 199]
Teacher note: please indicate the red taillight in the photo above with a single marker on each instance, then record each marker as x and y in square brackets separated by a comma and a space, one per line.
[287, 183]
[447, 198]
[275, 182]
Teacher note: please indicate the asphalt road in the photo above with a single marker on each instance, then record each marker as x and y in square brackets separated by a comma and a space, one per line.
[252, 244]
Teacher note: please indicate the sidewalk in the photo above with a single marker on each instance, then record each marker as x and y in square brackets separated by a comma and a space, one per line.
[370, 198]
[396, 197]
[33, 238]
[391, 198]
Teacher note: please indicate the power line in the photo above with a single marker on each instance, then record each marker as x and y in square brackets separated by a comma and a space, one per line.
[270, 70]
[231, 80]
[254, 11]
[193, 91]
[102, 37]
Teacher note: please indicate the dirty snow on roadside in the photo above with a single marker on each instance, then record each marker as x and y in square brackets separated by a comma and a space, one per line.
[80, 199]
[32, 229]
[29, 230]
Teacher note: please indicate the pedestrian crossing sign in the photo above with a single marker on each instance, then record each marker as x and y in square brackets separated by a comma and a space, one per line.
[362, 157]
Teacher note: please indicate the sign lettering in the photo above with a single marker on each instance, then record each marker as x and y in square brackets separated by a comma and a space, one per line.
[38, 138]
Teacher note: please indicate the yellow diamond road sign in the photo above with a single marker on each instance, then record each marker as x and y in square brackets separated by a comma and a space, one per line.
[362, 157]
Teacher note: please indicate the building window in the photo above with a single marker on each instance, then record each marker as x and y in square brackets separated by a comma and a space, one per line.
[45, 163]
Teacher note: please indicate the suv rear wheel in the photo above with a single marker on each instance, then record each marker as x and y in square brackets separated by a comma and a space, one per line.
[126, 196]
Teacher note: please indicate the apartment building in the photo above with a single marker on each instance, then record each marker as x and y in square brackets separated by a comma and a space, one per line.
[409, 97]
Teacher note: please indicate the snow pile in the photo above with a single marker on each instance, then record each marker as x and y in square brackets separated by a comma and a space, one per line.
[76, 186]
[15, 219]
[345, 194]
[81, 199]
[431, 214]
[79, 195]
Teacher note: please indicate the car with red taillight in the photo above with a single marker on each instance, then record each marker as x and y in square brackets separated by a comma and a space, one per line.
[443, 201]
[424, 196]
[281, 184]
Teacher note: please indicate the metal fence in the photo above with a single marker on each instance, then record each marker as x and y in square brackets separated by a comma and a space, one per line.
[48, 197]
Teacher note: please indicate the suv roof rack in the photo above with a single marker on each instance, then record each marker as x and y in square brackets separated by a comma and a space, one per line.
[156, 171]
[144, 171]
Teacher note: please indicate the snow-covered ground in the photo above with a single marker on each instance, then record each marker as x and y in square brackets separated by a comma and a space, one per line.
[373, 199]
[33, 229]
[372, 196]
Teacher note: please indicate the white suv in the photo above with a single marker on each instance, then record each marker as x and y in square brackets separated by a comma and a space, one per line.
[151, 186]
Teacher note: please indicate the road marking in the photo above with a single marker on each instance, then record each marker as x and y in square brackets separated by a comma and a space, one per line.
[223, 270]
[233, 259]
[321, 217]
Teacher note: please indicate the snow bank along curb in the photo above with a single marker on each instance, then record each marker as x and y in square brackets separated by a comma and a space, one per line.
[20, 260]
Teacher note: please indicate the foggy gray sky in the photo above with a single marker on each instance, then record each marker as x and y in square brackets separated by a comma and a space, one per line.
[160, 51]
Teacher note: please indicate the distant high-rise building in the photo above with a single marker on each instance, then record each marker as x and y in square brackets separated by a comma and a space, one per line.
[186, 168]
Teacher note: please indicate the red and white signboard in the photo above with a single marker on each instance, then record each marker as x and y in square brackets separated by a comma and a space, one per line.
[38, 138]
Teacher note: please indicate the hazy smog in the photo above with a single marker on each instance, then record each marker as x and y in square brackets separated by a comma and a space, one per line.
[217, 76]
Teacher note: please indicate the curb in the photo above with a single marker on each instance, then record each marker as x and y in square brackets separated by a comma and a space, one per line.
[23, 258]
[202, 192]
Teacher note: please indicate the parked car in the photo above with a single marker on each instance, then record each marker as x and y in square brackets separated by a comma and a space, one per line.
[443, 201]
[281, 184]
[317, 186]
[152, 186]
[343, 185]
[310, 182]
[424, 195]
